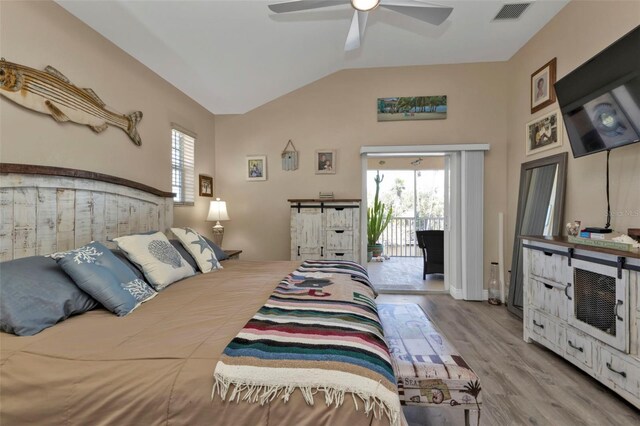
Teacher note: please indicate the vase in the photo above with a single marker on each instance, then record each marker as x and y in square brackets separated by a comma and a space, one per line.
[495, 297]
[376, 249]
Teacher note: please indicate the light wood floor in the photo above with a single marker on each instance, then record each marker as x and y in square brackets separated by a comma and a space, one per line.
[403, 274]
[522, 384]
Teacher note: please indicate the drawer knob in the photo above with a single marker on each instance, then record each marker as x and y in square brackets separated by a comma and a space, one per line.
[578, 348]
[339, 254]
[340, 232]
[622, 373]
[548, 286]
[538, 325]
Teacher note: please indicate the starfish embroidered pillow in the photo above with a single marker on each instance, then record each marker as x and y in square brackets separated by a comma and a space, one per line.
[160, 262]
[198, 247]
[97, 271]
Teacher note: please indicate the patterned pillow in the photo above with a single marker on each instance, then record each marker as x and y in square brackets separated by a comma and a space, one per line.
[201, 251]
[96, 270]
[159, 260]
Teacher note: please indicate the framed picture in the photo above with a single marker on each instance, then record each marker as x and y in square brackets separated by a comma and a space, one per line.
[256, 167]
[544, 133]
[542, 81]
[412, 108]
[205, 183]
[325, 162]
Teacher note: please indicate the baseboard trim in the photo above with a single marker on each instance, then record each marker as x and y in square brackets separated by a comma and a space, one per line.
[456, 293]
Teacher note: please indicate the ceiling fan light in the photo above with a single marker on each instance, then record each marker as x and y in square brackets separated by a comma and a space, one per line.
[365, 5]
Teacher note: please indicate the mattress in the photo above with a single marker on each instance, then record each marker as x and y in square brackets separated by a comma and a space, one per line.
[154, 366]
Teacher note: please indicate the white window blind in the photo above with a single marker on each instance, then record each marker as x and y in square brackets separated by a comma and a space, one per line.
[182, 164]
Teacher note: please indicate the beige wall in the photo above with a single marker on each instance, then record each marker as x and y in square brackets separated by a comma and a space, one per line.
[339, 112]
[578, 32]
[40, 33]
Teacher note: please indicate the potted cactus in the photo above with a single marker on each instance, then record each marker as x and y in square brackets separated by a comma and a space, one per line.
[378, 217]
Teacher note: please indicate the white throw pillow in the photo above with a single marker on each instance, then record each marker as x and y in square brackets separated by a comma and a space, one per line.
[198, 247]
[159, 260]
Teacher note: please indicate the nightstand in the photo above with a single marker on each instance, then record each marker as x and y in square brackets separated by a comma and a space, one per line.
[233, 254]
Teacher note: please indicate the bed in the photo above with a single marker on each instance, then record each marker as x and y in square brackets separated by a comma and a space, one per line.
[154, 366]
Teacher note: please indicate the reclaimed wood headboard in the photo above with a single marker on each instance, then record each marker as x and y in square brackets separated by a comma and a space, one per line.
[47, 209]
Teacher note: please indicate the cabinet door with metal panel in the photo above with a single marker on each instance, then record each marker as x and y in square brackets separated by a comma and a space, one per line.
[599, 303]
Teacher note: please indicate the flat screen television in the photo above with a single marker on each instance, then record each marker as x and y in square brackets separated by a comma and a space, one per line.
[600, 100]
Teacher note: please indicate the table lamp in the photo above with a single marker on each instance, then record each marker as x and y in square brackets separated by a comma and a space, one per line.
[218, 212]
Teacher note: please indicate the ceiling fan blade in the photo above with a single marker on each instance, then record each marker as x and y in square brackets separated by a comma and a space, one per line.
[435, 15]
[356, 31]
[294, 6]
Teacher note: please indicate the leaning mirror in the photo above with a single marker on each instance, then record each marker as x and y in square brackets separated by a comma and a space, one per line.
[540, 211]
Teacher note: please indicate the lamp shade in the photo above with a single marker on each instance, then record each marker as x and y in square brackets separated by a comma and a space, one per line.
[217, 211]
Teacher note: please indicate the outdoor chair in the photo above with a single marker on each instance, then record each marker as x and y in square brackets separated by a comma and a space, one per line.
[432, 245]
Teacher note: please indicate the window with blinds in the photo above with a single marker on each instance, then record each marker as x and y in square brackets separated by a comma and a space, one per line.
[182, 165]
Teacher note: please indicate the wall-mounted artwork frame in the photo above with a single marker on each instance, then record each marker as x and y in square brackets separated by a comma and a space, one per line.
[256, 167]
[325, 161]
[412, 108]
[205, 186]
[544, 133]
[542, 92]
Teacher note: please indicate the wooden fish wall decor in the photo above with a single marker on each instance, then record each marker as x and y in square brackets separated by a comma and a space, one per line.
[50, 92]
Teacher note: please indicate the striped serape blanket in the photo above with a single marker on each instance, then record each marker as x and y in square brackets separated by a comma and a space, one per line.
[323, 311]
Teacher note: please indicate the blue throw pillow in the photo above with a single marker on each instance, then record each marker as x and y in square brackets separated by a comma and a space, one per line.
[36, 294]
[185, 254]
[123, 258]
[96, 270]
[220, 254]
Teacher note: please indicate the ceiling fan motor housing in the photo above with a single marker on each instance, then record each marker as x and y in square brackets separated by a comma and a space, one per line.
[365, 5]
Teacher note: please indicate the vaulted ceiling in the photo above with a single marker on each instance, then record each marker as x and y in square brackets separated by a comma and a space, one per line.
[233, 56]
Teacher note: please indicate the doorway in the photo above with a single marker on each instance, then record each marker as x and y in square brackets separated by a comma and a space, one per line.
[462, 187]
[413, 189]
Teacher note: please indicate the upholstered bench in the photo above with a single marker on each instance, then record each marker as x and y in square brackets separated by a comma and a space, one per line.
[430, 372]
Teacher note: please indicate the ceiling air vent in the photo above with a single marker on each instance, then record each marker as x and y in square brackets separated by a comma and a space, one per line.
[511, 11]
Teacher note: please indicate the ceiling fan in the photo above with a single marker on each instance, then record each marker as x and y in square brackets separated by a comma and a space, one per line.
[433, 14]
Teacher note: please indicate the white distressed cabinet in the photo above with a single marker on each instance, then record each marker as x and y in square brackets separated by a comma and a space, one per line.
[584, 304]
[323, 229]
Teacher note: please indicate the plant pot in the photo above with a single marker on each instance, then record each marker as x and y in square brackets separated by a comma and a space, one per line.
[376, 249]
[369, 255]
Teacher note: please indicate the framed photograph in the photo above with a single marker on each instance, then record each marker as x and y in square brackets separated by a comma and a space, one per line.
[205, 183]
[325, 162]
[256, 167]
[542, 81]
[412, 108]
[544, 133]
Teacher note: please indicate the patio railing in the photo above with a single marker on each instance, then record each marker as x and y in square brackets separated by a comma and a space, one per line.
[399, 238]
